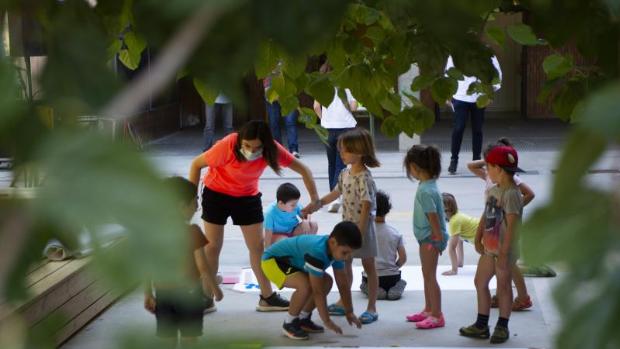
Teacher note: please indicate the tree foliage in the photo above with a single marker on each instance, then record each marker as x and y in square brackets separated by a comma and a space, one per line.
[368, 44]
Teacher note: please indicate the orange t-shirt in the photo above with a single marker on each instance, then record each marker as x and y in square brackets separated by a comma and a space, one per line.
[229, 176]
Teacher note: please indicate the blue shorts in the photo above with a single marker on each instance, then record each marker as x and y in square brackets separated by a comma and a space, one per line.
[438, 244]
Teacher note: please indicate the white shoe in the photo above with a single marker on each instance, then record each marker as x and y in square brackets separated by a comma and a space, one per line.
[334, 207]
[296, 154]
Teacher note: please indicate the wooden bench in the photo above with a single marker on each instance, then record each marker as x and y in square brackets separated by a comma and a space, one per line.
[65, 293]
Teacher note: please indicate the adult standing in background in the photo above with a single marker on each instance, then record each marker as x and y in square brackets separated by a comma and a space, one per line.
[274, 112]
[223, 107]
[464, 106]
[337, 118]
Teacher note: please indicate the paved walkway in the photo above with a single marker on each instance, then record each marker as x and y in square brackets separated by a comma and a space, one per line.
[538, 143]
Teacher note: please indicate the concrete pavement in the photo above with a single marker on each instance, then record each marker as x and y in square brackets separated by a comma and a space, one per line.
[236, 318]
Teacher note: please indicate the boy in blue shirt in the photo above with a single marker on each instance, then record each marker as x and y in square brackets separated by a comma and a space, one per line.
[283, 218]
[300, 263]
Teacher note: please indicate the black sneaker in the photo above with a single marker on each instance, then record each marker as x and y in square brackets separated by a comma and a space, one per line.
[209, 305]
[272, 303]
[293, 331]
[452, 167]
[500, 335]
[473, 331]
[309, 326]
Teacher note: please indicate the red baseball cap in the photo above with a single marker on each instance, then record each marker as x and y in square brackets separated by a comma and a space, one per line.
[505, 157]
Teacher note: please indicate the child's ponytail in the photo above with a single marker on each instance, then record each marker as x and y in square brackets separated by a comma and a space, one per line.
[426, 157]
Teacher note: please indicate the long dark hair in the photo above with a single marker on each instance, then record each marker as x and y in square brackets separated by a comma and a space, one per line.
[258, 129]
[426, 157]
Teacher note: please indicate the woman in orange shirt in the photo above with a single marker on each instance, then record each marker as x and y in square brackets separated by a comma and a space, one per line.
[235, 165]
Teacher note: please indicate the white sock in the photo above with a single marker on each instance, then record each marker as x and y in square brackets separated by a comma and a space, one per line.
[304, 314]
[290, 318]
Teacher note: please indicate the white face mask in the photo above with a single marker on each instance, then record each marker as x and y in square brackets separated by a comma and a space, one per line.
[251, 156]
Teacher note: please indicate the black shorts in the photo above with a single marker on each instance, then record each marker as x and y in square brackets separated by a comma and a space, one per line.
[244, 210]
[179, 310]
[386, 282]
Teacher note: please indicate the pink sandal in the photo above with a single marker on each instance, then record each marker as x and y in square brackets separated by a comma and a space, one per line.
[421, 316]
[431, 322]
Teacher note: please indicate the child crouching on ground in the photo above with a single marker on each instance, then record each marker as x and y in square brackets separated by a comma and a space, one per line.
[391, 254]
[461, 228]
[283, 218]
[300, 263]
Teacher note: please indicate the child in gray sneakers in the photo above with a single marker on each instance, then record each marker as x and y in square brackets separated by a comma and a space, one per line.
[391, 254]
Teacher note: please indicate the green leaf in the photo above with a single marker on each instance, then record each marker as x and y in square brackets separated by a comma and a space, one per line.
[267, 59]
[207, 94]
[483, 101]
[443, 89]
[567, 98]
[390, 127]
[321, 89]
[557, 66]
[601, 112]
[522, 34]
[421, 82]
[496, 34]
[128, 59]
[455, 74]
[576, 160]
[81, 166]
[295, 66]
[376, 34]
[288, 104]
[392, 103]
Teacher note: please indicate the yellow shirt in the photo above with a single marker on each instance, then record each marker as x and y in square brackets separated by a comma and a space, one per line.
[463, 225]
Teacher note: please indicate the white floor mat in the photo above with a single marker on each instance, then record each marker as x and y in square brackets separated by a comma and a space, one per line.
[464, 280]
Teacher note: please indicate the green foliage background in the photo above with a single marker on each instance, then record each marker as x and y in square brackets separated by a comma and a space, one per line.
[369, 44]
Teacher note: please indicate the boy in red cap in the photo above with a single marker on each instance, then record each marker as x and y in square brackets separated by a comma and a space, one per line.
[496, 242]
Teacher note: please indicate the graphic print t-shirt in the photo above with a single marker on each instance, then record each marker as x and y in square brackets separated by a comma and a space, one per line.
[500, 202]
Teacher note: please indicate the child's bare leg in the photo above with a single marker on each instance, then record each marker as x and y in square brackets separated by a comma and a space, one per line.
[432, 292]
[484, 273]
[519, 281]
[373, 283]
[327, 284]
[303, 291]
[188, 341]
[459, 253]
[504, 290]
[348, 270]
[452, 252]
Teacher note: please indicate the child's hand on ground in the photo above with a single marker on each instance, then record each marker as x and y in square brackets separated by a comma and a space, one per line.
[150, 303]
[218, 295]
[332, 326]
[352, 319]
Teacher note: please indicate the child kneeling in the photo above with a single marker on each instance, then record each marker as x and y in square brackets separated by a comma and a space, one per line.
[391, 254]
[283, 218]
[300, 263]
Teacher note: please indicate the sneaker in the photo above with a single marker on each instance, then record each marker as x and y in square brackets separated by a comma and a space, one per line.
[494, 302]
[309, 326]
[431, 322]
[421, 316]
[293, 331]
[452, 167]
[397, 290]
[500, 335]
[209, 305]
[473, 331]
[520, 304]
[272, 303]
[334, 207]
[296, 154]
